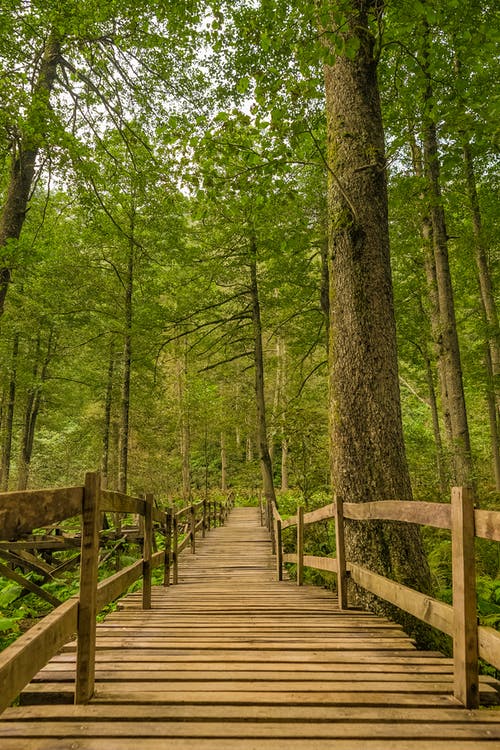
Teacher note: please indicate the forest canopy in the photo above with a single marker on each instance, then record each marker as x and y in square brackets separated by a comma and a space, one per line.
[179, 186]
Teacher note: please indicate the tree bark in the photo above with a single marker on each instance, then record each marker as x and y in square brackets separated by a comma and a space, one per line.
[489, 311]
[184, 426]
[108, 403]
[223, 462]
[127, 366]
[448, 336]
[33, 409]
[368, 461]
[25, 150]
[265, 458]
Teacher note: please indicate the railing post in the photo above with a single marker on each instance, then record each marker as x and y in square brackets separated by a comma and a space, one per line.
[168, 546]
[87, 607]
[300, 545]
[147, 551]
[204, 524]
[279, 550]
[465, 635]
[192, 528]
[175, 548]
[340, 553]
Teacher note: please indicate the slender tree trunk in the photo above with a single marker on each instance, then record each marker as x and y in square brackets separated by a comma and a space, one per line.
[368, 461]
[489, 311]
[33, 409]
[108, 403]
[434, 315]
[25, 148]
[127, 366]
[284, 465]
[223, 462]
[493, 419]
[249, 450]
[436, 429]
[265, 458]
[450, 351]
[9, 420]
[184, 426]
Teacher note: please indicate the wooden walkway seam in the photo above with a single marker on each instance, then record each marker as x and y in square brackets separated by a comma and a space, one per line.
[231, 658]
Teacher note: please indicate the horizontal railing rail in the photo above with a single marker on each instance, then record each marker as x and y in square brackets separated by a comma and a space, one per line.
[470, 640]
[22, 512]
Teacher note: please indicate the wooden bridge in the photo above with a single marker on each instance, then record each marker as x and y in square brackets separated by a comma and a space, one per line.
[233, 658]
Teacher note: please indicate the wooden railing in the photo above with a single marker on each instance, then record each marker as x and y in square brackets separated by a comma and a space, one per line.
[470, 641]
[21, 512]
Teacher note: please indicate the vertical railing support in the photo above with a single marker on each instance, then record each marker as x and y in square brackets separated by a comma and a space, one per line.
[192, 528]
[279, 550]
[340, 553]
[300, 545]
[465, 635]
[87, 608]
[168, 547]
[147, 549]
[175, 548]
[204, 524]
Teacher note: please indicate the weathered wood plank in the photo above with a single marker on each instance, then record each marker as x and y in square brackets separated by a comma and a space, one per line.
[433, 612]
[30, 652]
[23, 511]
[426, 514]
[117, 502]
[487, 524]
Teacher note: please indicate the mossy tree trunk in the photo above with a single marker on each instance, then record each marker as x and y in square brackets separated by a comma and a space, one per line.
[368, 455]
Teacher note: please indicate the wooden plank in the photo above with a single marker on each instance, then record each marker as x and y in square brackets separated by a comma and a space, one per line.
[408, 511]
[114, 586]
[28, 654]
[243, 743]
[340, 553]
[118, 502]
[321, 514]
[147, 551]
[487, 524]
[433, 612]
[489, 645]
[300, 545]
[279, 549]
[321, 563]
[87, 609]
[258, 729]
[21, 512]
[6, 572]
[465, 637]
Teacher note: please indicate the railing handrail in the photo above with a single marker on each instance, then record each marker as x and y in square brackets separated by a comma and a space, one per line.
[460, 620]
[20, 661]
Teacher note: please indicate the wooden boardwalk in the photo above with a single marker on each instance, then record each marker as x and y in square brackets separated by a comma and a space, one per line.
[230, 659]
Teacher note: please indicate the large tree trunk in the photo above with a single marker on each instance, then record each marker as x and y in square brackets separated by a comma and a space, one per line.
[25, 148]
[265, 458]
[368, 461]
[9, 419]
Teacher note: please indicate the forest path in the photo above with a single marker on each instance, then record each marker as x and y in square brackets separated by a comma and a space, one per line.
[231, 659]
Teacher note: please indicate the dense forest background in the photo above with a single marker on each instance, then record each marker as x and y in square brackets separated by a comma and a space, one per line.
[172, 160]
